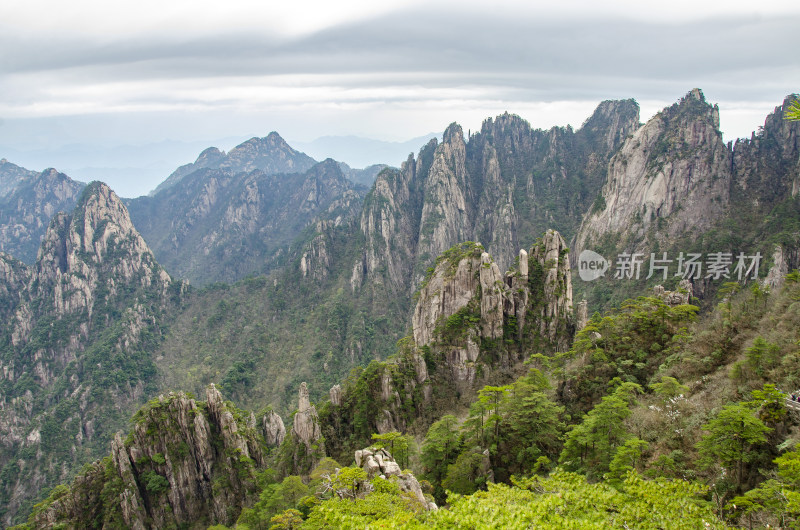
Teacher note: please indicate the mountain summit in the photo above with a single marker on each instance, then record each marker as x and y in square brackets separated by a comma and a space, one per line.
[270, 154]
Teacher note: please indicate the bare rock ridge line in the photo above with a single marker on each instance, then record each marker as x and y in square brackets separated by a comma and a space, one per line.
[474, 189]
[270, 154]
[674, 176]
[95, 287]
[165, 472]
[28, 202]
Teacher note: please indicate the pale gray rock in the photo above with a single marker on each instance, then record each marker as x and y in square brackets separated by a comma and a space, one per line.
[777, 273]
[305, 426]
[581, 315]
[379, 462]
[556, 312]
[336, 395]
[493, 296]
[444, 295]
[675, 168]
[274, 429]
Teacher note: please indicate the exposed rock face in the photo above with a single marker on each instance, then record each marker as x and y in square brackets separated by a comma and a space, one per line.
[555, 305]
[493, 296]
[674, 168]
[305, 427]
[777, 273]
[221, 225]
[581, 315]
[27, 208]
[274, 430]
[165, 473]
[451, 287]
[466, 299]
[379, 462]
[674, 298]
[674, 178]
[491, 188]
[92, 298]
[336, 395]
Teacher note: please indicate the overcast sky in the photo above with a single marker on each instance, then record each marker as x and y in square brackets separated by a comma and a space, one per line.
[109, 72]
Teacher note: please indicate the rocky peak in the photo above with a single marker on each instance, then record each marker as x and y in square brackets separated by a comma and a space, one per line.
[766, 168]
[270, 154]
[164, 474]
[673, 172]
[11, 176]
[274, 429]
[380, 463]
[26, 211]
[554, 309]
[613, 121]
[466, 298]
[305, 426]
[95, 291]
[209, 157]
[98, 240]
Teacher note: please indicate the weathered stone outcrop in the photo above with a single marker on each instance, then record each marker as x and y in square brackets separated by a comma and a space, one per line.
[95, 290]
[28, 206]
[493, 296]
[274, 429]
[674, 298]
[449, 289]
[466, 302]
[553, 305]
[674, 173]
[379, 462]
[168, 471]
[336, 395]
[305, 426]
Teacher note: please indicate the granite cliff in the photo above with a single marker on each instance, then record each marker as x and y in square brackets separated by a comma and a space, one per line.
[28, 204]
[77, 341]
[221, 224]
[472, 325]
[501, 186]
[674, 179]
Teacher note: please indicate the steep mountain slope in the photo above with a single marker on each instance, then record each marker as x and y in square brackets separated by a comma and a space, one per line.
[502, 187]
[224, 224]
[675, 187]
[27, 208]
[76, 346]
[189, 462]
[11, 176]
[345, 293]
[270, 154]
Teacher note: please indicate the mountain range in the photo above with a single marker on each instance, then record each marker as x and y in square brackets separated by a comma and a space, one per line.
[261, 269]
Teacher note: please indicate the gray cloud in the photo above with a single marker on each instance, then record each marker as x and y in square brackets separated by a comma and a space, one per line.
[548, 57]
[407, 73]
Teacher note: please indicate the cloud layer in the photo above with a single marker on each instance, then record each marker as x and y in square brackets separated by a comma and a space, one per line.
[391, 69]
